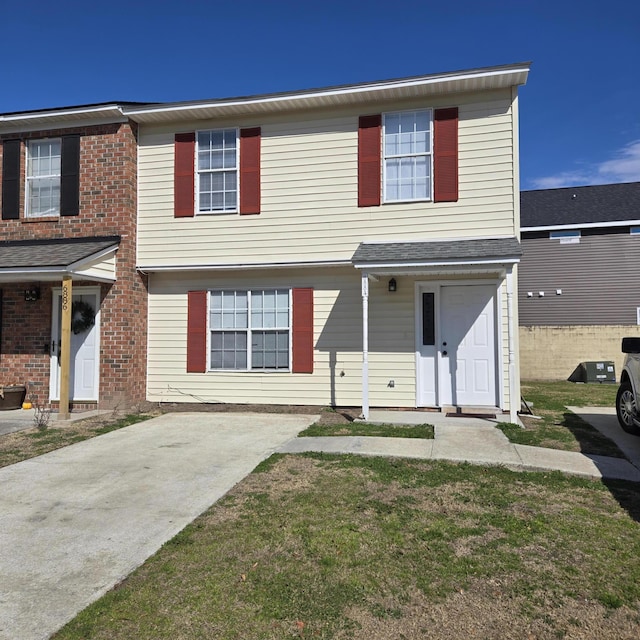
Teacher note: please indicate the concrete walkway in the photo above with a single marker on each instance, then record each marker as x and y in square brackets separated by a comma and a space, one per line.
[478, 441]
[76, 521]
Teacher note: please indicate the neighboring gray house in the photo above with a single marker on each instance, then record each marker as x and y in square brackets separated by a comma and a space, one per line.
[579, 277]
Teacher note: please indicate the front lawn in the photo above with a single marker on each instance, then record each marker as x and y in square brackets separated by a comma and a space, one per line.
[319, 546]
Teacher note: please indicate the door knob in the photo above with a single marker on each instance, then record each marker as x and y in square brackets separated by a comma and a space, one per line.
[444, 353]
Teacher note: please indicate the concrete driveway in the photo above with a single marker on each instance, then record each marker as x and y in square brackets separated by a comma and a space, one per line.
[76, 521]
[604, 420]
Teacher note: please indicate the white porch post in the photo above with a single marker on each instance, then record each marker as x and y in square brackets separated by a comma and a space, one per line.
[365, 346]
[514, 402]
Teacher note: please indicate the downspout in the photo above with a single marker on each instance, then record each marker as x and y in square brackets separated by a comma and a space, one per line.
[513, 401]
[365, 346]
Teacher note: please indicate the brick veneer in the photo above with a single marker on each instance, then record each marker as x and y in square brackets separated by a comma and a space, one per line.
[108, 176]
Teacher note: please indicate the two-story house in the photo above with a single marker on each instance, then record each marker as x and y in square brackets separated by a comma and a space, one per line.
[67, 258]
[352, 245]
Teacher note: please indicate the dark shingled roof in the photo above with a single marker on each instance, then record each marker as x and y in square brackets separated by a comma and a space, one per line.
[60, 252]
[580, 205]
[436, 251]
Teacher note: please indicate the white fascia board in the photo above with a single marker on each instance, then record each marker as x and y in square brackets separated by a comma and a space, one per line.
[294, 97]
[23, 122]
[472, 262]
[586, 225]
[250, 265]
[46, 274]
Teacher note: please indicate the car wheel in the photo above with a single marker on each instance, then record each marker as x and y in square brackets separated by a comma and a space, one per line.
[626, 408]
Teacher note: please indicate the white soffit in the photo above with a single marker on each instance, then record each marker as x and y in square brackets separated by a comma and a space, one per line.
[61, 118]
[416, 87]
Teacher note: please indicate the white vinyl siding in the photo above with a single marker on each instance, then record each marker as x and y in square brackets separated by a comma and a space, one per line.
[43, 178]
[337, 340]
[309, 181]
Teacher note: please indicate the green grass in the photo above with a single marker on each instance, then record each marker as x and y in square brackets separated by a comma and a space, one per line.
[321, 546]
[558, 428]
[369, 429]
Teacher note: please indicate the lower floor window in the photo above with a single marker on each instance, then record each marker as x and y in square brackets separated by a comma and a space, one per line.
[250, 330]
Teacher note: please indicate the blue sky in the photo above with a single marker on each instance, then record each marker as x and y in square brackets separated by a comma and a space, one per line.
[579, 112]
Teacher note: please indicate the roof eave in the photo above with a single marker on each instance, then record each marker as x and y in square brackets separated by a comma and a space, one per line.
[437, 84]
[60, 119]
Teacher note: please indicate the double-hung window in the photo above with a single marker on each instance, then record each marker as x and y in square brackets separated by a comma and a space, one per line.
[250, 330]
[43, 178]
[217, 157]
[408, 155]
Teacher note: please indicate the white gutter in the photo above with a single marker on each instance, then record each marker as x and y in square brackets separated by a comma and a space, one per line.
[242, 265]
[586, 225]
[319, 94]
[102, 111]
[436, 263]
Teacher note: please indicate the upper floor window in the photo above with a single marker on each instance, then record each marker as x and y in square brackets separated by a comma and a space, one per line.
[566, 237]
[217, 157]
[407, 155]
[43, 178]
[635, 231]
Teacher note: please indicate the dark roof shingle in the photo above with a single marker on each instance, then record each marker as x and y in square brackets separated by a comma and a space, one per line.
[580, 205]
[395, 252]
[59, 252]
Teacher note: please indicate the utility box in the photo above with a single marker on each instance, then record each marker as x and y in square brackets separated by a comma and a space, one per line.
[602, 371]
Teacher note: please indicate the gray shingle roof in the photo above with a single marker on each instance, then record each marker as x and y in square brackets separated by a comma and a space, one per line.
[580, 205]
[60, 252]
[438, 250]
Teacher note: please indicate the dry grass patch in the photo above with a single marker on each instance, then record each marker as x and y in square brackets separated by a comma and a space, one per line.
[22, 445]
[319, 546]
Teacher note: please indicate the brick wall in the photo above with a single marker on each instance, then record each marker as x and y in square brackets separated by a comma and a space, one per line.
[108, 175]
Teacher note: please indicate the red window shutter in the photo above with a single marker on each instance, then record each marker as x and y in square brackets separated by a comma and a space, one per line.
[445, 155]
[369, 131]
[184, 178]
[302, 331]
[250, 170]
[196, 332]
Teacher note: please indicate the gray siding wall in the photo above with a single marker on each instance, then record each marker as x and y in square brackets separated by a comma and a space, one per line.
[599, 279]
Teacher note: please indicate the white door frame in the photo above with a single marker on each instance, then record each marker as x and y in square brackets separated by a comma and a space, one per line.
[436, 287]
[54, 376]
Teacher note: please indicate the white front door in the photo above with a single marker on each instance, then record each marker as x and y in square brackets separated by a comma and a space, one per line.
[456, 345]
[467, 362]
[85, 349]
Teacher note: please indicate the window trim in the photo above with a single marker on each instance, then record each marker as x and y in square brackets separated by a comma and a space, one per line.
[249, 369]
[28, 180]
[429, 154]
[196, 171]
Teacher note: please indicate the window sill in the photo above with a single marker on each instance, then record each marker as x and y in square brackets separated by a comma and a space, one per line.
[217, 213]
[42, 219]
[407, 201]
[254, 371]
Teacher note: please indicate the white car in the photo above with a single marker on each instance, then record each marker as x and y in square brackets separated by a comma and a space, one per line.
[628, 398]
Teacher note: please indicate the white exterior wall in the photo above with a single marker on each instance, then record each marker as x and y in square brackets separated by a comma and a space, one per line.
[337, 340]
[309, 190]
